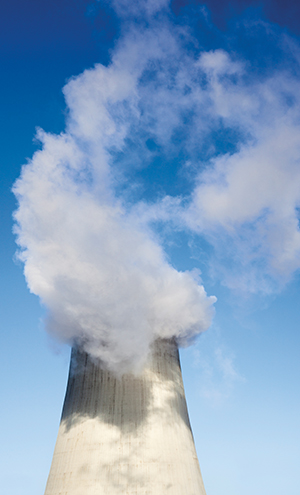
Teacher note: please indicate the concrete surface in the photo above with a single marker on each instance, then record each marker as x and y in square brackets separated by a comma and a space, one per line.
[128, 435]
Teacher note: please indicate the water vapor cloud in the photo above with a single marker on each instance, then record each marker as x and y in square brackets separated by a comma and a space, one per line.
[87, 230]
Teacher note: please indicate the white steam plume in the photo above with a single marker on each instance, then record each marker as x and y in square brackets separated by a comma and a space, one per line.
[88, 245]
[100, 272]
[246, 202]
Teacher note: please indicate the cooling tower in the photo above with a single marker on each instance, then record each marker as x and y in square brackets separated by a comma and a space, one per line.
[128, 435]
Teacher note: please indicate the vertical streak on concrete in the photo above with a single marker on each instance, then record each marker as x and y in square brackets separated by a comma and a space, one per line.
[128, 435]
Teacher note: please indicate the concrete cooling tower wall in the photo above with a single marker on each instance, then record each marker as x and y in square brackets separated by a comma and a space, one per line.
[128, 435]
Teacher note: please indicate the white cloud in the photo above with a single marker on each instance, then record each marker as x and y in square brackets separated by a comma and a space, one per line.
[98, 269]
[249, 199]
[91, 255]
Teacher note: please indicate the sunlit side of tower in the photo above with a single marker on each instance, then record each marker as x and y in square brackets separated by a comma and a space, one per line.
[128, 435]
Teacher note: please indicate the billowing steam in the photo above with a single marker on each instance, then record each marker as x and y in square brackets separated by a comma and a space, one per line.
[88, 237]
[100, 272]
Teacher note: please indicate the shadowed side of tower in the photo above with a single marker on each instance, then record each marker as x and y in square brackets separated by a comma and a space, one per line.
[128, 435]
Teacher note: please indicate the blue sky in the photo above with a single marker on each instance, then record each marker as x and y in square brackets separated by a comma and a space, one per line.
[200, 167]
